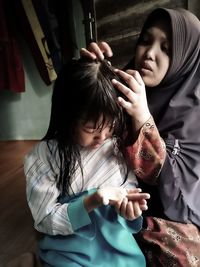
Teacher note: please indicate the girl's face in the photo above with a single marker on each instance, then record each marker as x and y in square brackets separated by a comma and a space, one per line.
[89, 136]
[153, 53]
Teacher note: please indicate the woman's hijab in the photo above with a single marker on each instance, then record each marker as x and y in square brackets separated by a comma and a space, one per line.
[175, 106]
[179, 91]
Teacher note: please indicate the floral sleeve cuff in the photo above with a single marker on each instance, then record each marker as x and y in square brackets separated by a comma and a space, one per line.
[148, 153]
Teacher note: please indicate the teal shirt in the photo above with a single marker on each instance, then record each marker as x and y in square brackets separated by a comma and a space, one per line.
[101, 238]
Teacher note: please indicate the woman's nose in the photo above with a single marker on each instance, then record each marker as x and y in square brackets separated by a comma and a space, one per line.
[151, 52]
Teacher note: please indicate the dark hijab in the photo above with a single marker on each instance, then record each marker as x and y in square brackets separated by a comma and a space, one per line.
[175, 106]
[179, 91]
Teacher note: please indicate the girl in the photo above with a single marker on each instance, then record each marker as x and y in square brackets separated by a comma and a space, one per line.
[166, 141]
[77, 179]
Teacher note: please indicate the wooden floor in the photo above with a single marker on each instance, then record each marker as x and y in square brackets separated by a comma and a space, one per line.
[16, 226]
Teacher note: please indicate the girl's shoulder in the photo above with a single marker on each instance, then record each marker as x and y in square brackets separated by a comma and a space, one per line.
[43, 152]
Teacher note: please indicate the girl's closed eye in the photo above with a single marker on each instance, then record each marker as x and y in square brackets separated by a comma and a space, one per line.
[89, 130]
[89, 127]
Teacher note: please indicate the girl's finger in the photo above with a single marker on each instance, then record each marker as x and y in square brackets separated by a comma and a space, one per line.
[143, 207]
[122, 210]
[137, 210]
[130, 213]
[142, 202]
[138, 196]
[134, 190]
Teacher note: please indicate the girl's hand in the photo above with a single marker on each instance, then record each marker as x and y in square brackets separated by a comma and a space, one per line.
[111, 195]
[97, 51]
[130, 210]
[104, 196]
[136, 195]
[134, 101]
[132, 206]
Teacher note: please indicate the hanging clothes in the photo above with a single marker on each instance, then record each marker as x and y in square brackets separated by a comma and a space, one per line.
[46, 14]
[11, 65]
[36, 40]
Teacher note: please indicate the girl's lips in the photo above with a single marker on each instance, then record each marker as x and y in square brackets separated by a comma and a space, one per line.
[95, 145]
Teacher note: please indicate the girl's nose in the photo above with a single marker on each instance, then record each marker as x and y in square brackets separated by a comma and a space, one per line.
[103, 135]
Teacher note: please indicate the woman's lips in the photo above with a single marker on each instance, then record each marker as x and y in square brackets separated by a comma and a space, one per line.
[145, 69]
[146, 66]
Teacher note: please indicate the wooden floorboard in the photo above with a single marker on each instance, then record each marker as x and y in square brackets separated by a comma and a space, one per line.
[17, 234]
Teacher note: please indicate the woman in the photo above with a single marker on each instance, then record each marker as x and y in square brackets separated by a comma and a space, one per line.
[166, 141]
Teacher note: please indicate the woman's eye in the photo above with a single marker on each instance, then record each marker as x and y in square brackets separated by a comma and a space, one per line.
[166, 49]
[144, 40]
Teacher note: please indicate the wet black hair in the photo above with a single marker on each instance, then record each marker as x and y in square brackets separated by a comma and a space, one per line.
[83, 90]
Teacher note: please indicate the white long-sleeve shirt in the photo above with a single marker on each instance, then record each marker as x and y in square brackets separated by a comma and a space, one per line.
[100, 169]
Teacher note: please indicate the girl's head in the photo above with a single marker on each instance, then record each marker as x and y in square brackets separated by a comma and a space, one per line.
[153, 50]
[85, 110]
[84, 113]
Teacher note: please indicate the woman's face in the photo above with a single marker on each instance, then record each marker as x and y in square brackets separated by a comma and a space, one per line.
[153, 53]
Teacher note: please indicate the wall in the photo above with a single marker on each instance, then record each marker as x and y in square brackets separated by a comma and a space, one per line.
[25, 115]
[119, 23]
[194, 6]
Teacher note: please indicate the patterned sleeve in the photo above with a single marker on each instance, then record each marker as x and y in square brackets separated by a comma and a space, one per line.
[147, 154]
[50, 216]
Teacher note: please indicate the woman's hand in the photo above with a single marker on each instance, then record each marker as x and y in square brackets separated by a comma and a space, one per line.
[97, 51]
[134, 101]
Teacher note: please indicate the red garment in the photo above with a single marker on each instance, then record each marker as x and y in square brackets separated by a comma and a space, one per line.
[11, 66]
[148, 153]
[168, 243]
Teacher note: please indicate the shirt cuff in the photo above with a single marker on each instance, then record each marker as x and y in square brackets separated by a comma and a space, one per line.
[133, 226]
[77, 213]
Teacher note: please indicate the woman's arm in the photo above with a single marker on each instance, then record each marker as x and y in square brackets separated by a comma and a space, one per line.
[147, 150]
[155, 160]
[147, 154]
[179, 181]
